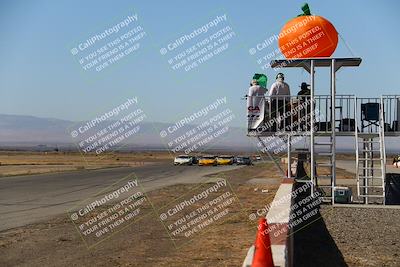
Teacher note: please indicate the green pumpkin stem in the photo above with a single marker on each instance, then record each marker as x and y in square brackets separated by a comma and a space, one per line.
[306, 10]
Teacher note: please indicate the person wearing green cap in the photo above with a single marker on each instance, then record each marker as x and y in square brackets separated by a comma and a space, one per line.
[255, 95]
[261, 79]
[255, 103]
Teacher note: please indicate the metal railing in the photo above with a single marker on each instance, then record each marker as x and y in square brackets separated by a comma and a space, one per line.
[290, 114]
[369, 121]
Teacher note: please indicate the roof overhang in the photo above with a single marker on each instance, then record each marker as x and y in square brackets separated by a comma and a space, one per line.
[305, 63]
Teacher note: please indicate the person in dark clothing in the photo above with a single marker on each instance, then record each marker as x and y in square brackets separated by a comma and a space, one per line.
[304, 96]
[304, 90]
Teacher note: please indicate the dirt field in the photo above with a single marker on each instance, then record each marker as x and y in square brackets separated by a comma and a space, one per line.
[347, 236]
[146, 243]
[365, 236]
[25, 163]
[21, 163]
[350, 237]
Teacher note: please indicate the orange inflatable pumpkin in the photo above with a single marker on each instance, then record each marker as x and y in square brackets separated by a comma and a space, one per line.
[308, 36]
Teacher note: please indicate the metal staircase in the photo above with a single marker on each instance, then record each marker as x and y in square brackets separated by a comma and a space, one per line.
[325, 169]
[371, 163]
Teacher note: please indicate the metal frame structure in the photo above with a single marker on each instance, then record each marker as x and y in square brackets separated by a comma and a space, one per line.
[310, 65]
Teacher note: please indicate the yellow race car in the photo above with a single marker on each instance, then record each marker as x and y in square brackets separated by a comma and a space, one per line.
[225, 160]
[208, 161]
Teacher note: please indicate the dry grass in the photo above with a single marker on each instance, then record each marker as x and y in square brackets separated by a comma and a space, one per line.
[22, 163]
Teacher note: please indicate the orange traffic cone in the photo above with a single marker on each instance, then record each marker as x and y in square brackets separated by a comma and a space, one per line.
[263, 254]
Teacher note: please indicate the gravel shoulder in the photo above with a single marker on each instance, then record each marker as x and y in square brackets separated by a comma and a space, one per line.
[350, 237]
[365, 236]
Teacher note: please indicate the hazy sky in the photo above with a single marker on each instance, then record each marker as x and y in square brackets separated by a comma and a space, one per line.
[39, 76]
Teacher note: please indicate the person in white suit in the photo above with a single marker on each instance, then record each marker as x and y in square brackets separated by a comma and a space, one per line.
[255, 107]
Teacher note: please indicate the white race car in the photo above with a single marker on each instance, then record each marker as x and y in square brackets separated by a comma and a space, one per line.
[183, 160]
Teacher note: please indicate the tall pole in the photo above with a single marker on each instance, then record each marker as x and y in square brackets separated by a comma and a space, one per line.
[312, 129]
[289, 156]
[333, 127]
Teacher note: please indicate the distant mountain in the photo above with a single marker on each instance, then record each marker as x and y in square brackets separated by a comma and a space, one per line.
[18, 130]
[30, 131]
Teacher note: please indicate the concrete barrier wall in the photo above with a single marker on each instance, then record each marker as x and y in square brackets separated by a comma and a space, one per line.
[278, 218]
